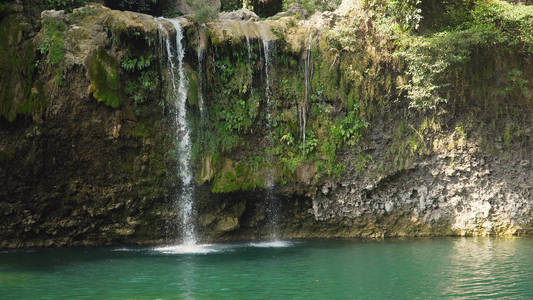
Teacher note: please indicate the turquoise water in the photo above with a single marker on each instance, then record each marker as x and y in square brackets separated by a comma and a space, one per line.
[414, 269]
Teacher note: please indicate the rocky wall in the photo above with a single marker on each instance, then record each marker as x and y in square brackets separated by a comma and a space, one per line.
[92, 160]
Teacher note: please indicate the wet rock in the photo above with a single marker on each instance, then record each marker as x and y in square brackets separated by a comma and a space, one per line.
[226, 224]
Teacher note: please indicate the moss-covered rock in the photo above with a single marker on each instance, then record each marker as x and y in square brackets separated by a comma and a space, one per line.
[103, 72]
[321, 129]
[17, 68]
[236, 177]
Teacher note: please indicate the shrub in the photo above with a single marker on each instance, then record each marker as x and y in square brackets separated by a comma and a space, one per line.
[203, 10]
[313, 5]
[67, 5]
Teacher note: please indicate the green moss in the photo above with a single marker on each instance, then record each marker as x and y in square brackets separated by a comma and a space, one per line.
[236, 177]
[54, 32]
[17, 68]
[103, 72]
[192, 97]
[142, 130]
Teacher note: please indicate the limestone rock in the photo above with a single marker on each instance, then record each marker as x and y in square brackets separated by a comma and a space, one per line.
[54, 14]
[242, 14]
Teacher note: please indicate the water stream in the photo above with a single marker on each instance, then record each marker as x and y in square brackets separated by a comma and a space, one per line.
[304, 106]
[178, 96]
[272, 202]
[200, 56]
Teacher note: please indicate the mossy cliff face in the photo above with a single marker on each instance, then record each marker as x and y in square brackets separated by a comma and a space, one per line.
[341, 130]
[89, 165]
[407, 132]
[17, 54]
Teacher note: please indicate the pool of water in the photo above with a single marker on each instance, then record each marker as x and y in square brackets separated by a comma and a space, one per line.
[393, 269]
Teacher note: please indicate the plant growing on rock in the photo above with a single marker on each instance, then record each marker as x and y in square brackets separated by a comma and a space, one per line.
[52, 47]
[204, 11]
[146, 79]
[67, 5]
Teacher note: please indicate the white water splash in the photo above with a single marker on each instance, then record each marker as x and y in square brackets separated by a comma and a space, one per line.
[188, 249]
[271, 244]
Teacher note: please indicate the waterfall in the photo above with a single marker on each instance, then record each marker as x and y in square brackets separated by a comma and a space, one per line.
[178, 95]
[272, 202]
[268, 49]
[303, 107]
[200, 55]
[249, 51]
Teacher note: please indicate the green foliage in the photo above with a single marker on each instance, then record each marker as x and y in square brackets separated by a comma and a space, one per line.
[408, 13]
[52, 47]
[313, 5]
[406, 145]
[511, 132]
[516, 84]
[146, 79]
[103, 72]
[17, 72]
[345, 35]
[311, 142]
[236, 177]
[512, 23]
[139, 64]
[435, 60]
[431, 60]
[34, 132]
[231, 5]
[348, 130]
[204, 11]
[362, 161]
[235, 104]
[67, 5]
[290, 151]
[334, 134]
[169, 9]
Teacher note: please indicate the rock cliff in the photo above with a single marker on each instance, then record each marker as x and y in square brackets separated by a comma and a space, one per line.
[337, 124]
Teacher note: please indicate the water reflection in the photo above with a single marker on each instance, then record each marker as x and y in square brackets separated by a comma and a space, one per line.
[484, 267]
[393, 269]
[188, 285]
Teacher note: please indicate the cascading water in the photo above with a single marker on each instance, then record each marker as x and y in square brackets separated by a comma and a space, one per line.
[304, 106]
[272, 202]
[178, 95]
[200, 55]
[267, 49]
[249, 51]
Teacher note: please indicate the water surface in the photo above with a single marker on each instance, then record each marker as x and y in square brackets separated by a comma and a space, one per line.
[413, 269]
